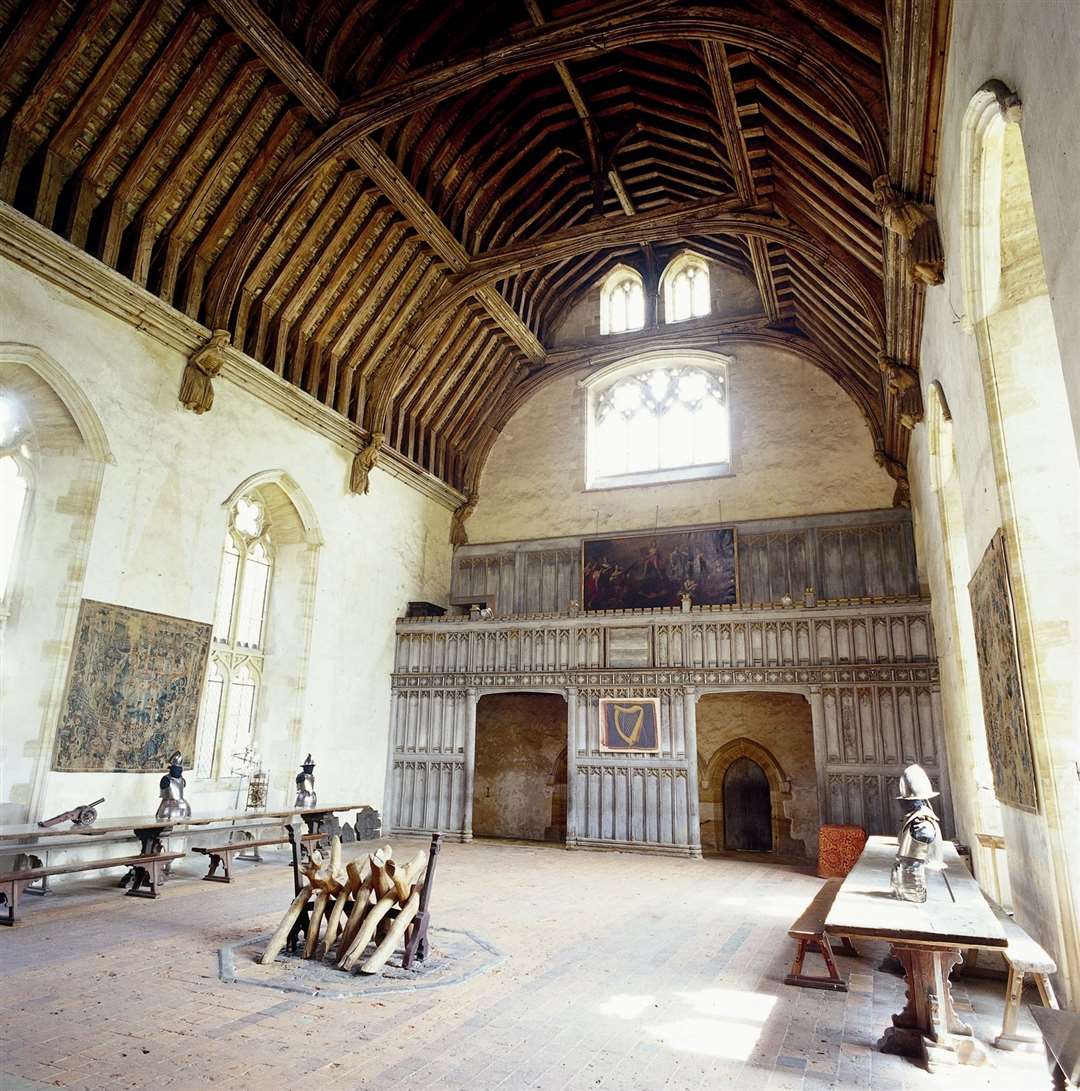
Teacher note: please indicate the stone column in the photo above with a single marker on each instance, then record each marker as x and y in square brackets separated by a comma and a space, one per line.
[821, 751]
[571, 764]
[470, 760]
[693, 803]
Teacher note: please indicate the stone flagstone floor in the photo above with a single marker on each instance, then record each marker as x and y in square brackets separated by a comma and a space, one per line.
[621, 972]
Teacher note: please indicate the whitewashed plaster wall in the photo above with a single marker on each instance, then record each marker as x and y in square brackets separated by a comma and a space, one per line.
[156, 545]
[799, 446]
[1032, 46]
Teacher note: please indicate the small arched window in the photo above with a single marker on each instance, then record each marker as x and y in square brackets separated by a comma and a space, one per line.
[237, 652]
[664, 419]
[14, 492]
[622, 301]
[686, 288]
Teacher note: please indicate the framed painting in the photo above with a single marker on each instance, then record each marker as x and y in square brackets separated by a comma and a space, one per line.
[630, 725]
[1004, 709]
[639, 571]
[133, 690]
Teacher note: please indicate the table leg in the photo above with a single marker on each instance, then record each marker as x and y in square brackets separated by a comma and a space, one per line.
[928, 1027]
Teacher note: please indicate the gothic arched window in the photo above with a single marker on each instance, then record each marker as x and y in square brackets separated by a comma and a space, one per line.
[14, 492]
[238, 647]
[659, 420]
[622, 301]
[686, 288]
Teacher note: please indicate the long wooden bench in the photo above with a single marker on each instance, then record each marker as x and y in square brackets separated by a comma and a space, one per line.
[1024, 956]
[147, 872]
[809, 932]
[222, 855]
[34, 853]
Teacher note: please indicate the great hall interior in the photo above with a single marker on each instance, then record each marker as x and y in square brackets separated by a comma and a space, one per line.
[574, 504]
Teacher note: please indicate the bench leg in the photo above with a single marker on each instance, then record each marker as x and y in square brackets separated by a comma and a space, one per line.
[9, 896]
[1046, 991]
[1008, 1039]
[151, 877]
[216, 859]
[820, 944]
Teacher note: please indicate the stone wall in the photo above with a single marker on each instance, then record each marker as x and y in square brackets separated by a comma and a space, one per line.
[781, 723]
[799, 444]
[519, 740]
[1001, 379]
[154, 539]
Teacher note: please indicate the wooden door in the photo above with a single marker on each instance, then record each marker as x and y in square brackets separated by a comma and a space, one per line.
[747, 808]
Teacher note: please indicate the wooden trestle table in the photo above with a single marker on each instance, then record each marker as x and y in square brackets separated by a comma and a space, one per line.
[149, 830]
[928, 939]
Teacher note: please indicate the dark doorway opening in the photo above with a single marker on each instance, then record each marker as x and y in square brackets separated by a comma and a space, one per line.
[747, 807]
[520, 783]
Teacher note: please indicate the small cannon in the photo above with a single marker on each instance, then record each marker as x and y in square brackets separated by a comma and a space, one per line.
[83, 816]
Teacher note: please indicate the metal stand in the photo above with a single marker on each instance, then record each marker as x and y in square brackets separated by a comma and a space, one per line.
[417, 944]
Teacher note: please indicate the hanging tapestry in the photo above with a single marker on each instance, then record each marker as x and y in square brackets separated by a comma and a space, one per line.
[133, 690]
[1004, 713]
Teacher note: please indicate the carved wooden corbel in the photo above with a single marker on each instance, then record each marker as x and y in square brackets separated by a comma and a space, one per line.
[916, 224]
[903, 383]
[364, 461]
[196, 386]
[458, 535]
[898, 472]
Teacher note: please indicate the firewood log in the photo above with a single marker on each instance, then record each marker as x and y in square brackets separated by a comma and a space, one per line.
[361, 905]
[411, 873]
[371, 921]
[407, 874]
[333, 922]
[312, 936]
[382, 876]
[393, 937]
[277, 940]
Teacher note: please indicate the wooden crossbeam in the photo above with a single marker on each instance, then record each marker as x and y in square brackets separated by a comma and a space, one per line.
[265, 39]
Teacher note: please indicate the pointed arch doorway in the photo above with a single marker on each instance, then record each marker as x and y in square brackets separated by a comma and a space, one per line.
[747, 807]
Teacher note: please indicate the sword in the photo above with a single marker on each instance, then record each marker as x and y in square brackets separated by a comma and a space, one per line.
[948, 886]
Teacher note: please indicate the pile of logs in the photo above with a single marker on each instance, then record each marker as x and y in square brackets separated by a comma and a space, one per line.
[373, 899]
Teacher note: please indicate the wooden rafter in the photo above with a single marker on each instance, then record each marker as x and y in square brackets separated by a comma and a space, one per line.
[727, 110]
[284, 60]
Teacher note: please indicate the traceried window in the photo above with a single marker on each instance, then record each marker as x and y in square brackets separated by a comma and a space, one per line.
[237, 652]
[686, 289]
[13, 496]
[622, 301]
[664, 421]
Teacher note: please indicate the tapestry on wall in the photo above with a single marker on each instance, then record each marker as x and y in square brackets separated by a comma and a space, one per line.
[630, 725]
[645, 570]
[999, 673]
[133, 690]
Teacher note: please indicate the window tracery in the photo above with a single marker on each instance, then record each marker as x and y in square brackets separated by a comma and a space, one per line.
[234, 675]
[622, 301]
[686, 289]
[672, 416]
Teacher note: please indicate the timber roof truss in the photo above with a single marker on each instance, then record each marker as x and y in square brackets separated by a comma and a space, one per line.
[393, 203]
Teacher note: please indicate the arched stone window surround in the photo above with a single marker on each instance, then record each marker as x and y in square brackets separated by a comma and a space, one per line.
[601, 380]
[1009, 312]
[685, 260]
[290, 615]
[615, 282]
[712, 781]
[67, 451]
